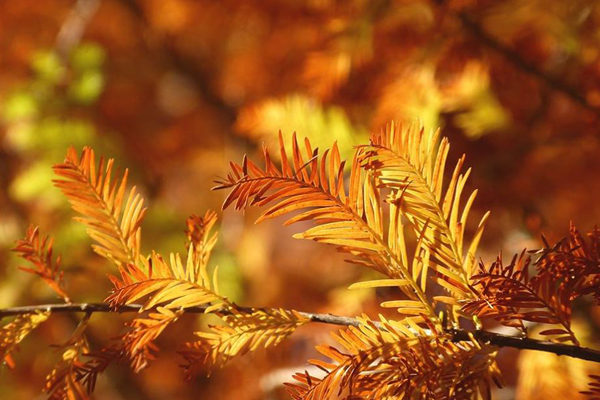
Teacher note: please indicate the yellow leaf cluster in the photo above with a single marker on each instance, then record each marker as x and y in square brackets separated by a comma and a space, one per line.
[14, 332]
[397, 188]
[398, 360]
[396, 182]
[113, 221]
[65, 380]
[244, 331]
[38, 251]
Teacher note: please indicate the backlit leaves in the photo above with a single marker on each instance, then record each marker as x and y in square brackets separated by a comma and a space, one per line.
[565, 271]
[14, 332]
[314, 188]
[244, 331]
[135, 347]
[506, 293]
[408, 162]
[201, 239]
[396, 182]
[397, 360]
[138, 343]
[165, 286]
[113, 220]
[411, 162]
[38, 251]
[573, 263]
[171, 284]
[64, 382]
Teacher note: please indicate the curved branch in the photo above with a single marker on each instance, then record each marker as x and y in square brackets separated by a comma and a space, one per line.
[458, 335]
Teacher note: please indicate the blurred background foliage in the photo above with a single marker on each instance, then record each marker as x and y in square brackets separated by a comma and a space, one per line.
[175, 89]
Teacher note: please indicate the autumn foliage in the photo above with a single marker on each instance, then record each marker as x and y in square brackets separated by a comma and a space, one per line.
[396, 186]
[158, 159]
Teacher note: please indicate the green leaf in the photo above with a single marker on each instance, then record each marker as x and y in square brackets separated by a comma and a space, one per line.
[48, 66]
[88, 56]
[87, 87]
[18, 106]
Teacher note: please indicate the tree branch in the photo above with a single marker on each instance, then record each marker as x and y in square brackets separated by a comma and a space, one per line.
[458, 335]
[519, 62]
[106, 308]
[522, 343]
[73, 28]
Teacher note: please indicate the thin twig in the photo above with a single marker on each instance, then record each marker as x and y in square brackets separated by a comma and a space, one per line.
[458, 335]
[72, 29]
